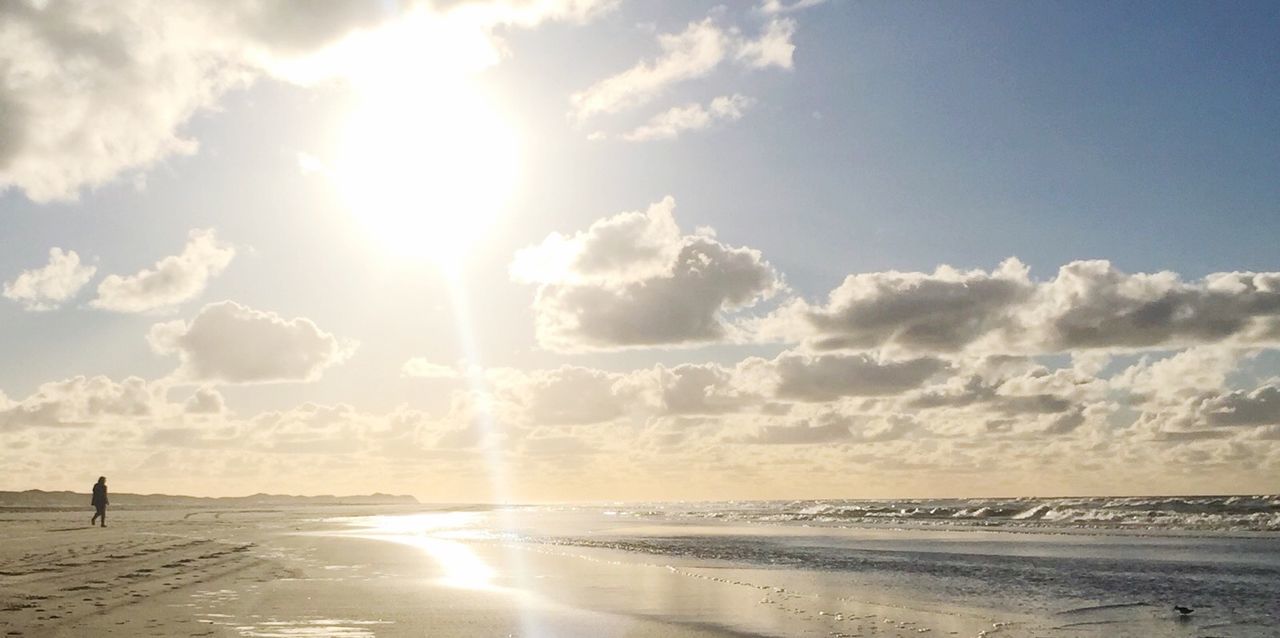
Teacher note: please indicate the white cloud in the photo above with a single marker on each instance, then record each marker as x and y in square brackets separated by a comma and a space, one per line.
[690, 54]
[48, 287]
[83, 401]
[171, 280]
[772, 48]
[702, 389]
[421, 368]
[778, 6]
[230, 343]
[690, 117]
[633, 280]
[572, 395]
[1183, 375]
[630, 246]
[205, 401]
[90, 90]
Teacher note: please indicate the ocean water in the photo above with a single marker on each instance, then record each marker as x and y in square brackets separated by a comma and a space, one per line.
[989, 567]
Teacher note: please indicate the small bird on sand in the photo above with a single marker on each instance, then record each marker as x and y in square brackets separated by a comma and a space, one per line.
[1182, 610]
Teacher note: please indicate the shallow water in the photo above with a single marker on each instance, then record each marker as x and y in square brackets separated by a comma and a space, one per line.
[792, 577]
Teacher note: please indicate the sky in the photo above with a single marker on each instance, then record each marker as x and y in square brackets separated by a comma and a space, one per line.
[562, 250]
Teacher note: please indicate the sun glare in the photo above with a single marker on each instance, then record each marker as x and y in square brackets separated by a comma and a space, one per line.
[427, 169]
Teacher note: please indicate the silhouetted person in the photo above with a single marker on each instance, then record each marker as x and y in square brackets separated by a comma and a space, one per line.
[100, 501]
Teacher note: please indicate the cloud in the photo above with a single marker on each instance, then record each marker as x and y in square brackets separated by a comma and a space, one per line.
[171, 280]
[939, 312]
[572, 395]
[778, 6]
[1218, 414]
[1089, 305]
[634, 281]
[205, 401]
[83, 401]
[831, 376]
[230, 343]
[1187, 374]
[835, 427]
[702, 389]
[690, 117]
[91, 90]
[420, 368]
[772, 48]
[48, 287]
[1260, 406]
[805, 433]
[690, 54]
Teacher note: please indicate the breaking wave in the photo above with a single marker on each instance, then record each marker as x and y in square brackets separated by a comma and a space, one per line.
[1191, 513]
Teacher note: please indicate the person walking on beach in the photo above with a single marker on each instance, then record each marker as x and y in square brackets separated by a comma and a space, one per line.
[99, 501]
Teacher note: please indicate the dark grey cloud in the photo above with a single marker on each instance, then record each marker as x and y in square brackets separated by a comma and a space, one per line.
[1091, 304]
[1088, 305]
[942, 312]
[1260, 406]
[832, 376]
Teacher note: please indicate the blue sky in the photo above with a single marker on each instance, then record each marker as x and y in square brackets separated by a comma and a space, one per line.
[880, 137]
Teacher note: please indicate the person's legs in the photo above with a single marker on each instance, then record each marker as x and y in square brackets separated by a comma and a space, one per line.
[104, 515]
[101, 512]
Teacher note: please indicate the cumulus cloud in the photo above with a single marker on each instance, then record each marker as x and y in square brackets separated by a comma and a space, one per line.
[91, 90]
[943, 311]
[693, 53]
[1183, 375]
[702, 389]
[1092, 304]
[171, 280]
[82, 401]
[572, 395]
[831, 376]
[633, 280]
[1089, 305]
[690, 117]
[1260, 406]
[205, 401]
[48, 287]
[230, 343]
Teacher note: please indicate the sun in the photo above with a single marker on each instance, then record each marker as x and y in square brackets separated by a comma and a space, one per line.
[427, 169]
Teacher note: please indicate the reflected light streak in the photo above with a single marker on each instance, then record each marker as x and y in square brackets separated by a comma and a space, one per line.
[492, 447]
[462, 567]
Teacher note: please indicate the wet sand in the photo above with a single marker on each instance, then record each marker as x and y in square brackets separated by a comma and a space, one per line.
[284, 573]
[172, 573]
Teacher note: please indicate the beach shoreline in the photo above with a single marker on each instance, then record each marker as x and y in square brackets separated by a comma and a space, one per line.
[360, 572]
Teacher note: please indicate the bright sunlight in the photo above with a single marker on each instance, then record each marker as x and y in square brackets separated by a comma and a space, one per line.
[427, 171]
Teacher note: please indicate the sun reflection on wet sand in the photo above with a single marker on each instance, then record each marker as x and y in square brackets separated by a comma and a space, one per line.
[461, 566]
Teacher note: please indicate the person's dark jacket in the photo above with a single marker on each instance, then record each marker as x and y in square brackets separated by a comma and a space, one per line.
[99, 495]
